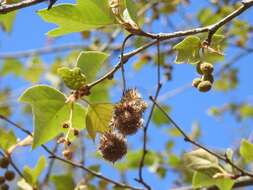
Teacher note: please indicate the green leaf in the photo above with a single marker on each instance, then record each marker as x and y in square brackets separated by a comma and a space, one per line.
[246, 150]
[246, 111]
[32, 174]
[201, 180]
[7, 21]
[132, 160]
[50, 111]
[214, 52]
[159, 118]
[188, 50]
[7, 139]
[201, 160]
[100, 92]
[85, 15]
[132, 10]
[98, 118]
[73, 78]
[11, 65]
[34, 70]
[63, 182]
[90, 63]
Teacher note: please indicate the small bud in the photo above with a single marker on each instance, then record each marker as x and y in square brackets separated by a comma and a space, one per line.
[196, 82]
[5, 187]
[206, 68]
[68, 154]
[2, 180]
[4, 162]
[65, 125]
[204, 86]
[61, 140]
[9, 175]
[76, 132]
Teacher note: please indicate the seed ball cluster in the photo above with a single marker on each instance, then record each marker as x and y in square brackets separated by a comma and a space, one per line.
[112, 146]
[8, 175]
[204, 84]
[128, 113]
[126, 120]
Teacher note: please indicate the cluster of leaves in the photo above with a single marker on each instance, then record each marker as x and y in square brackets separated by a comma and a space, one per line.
[51, 107]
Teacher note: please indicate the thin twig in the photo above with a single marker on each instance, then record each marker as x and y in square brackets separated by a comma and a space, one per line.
[145, 129]
[54, 156]
[188, 139]
[122, 62]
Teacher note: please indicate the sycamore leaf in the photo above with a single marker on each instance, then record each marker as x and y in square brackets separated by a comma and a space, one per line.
[50, 111]
[158, 118]
[73, 78]
[98, 118]
[246, 150]
[12, 65]
[7, 139]
[132, 10]
[84, 15]
[90, 63]
[201, 180]
[63, 182]
[202, 161]
[7, 20]
[188, 50]
[32, 174]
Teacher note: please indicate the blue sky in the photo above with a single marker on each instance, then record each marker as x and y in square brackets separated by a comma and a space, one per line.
[29, 33]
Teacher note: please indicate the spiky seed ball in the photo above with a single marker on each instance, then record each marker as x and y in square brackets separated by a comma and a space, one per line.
[196, 82]
[2, 180]
[112, 146]
[128, 126]
[208, 78]
[5, 187]
[4, 162]
[198, 68]
[206, 68]
[131, 94]
[9, 175]
[204, 86]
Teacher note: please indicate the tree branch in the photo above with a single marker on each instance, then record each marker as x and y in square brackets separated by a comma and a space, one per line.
[77, 165]
[6, 8]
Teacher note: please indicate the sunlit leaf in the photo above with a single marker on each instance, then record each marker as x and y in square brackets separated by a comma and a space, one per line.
[98, 118]
[246, 150]
[85, 15]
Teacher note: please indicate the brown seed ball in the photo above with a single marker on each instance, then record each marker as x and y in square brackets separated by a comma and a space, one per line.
[204, 86]
[2, 180]
[4, 162]
[65, 125]
[4, 187]
[208, 78]
[198, 68]
[9, 175]
[206, 68]
[196, 82]
[112, 146]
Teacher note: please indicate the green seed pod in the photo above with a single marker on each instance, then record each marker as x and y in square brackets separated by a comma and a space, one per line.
[9, 175]
[198, 68]
[208, 78]
[2, 180]
[204, 86]
[4, 162]
[196, 82]
[206, 68]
